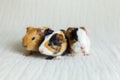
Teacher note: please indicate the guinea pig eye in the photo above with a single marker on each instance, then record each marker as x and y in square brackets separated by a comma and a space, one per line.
[33, 38]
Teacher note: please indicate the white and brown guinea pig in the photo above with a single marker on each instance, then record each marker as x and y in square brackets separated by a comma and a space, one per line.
[33, 38]
[78, 40]
[54, 45]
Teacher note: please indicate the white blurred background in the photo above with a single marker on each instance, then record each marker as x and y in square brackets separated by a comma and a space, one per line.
[102, 17]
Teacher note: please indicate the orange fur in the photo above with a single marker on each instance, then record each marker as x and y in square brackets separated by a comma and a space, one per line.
[32, 45]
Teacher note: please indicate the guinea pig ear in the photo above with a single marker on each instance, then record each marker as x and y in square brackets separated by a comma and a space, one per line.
[28, 29]
[48, 31]
[85, 29]
[40, 31]
[69, 30]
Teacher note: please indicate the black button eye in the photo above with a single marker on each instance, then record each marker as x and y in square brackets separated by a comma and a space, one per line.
[33, 38]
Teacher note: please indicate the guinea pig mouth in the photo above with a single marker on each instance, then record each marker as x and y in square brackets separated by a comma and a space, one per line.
[30, 49]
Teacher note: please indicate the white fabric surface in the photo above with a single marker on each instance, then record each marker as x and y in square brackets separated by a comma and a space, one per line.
[102, 17]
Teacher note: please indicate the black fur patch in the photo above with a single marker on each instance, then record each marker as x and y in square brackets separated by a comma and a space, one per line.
[50, 57]
[48, 31]
[54, 41]
[74, 35]
[67, 51]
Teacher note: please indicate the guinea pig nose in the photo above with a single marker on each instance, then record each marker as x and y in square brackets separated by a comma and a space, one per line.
[81, 47]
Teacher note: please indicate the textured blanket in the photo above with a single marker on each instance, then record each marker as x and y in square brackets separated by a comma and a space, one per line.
[101, 17]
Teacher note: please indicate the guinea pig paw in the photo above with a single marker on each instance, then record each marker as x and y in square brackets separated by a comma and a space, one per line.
[50, 57]
[86, 54]
[27, 54]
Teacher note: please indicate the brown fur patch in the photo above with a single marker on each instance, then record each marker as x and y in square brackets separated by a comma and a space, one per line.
[32, 45]
[68, 34]
[63, 45]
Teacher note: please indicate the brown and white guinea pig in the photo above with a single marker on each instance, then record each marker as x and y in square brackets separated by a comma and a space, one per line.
[78, 40]
[33, 38]
[55, 45]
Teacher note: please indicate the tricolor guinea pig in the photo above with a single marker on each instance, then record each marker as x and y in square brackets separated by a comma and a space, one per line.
[78, 40]
[54, 45]
[33, 38]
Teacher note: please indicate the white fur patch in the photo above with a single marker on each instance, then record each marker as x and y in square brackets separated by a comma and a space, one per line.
[83, 41]
[45, 50]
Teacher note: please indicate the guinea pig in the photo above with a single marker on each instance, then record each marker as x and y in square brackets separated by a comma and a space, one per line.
[78, 40]
[55, 45]
[33, 38]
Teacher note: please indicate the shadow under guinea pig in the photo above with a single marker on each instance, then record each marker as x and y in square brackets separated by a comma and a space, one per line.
[17, 48]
